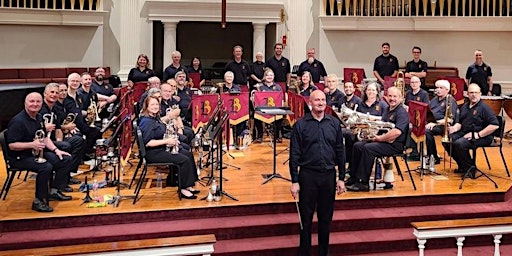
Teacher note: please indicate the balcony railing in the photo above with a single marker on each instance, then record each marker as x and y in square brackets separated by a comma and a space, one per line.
[405, 8]
[82, 5]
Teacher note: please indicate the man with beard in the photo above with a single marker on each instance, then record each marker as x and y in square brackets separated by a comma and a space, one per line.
[385, 64]
[184, 97]
[280, 66]
[386, 144]
[103, 90]
[314, 66]
[316, 148]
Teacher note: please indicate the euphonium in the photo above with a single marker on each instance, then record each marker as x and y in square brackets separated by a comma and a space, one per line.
[38, 153]
[448, 118]
[48, 119]
[368, 130]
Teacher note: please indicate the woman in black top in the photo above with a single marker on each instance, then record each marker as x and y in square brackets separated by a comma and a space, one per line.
[197, 68]
[141, 72]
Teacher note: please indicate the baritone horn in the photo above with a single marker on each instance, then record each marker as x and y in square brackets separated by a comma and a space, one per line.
[38, 153]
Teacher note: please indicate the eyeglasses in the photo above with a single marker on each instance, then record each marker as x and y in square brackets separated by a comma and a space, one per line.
[416, 52]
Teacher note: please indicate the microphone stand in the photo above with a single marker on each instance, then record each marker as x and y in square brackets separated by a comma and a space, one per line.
[471, 171]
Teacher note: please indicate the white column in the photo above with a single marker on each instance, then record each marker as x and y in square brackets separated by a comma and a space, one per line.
[169, 41]
[129, 42]
[299, 24]
[258, 38]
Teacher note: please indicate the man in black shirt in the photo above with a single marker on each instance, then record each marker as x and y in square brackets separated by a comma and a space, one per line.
[238, 66]
[175, 67]
[281, 67]
[480, 74]
[416, 67]
[257, 70]
[314, 66]
[316, 147]
[385, 64]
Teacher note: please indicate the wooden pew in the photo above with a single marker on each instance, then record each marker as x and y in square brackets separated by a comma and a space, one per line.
[185, 245]
[459, 229]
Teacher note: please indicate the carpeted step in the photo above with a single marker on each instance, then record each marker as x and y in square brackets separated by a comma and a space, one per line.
[505, 250]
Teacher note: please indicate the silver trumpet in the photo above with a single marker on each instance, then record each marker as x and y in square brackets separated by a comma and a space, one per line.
[38, 153]
[48, 119]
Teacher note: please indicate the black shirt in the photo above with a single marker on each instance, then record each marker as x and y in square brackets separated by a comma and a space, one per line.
[103, 89]
[316, 69]
[385, 66]
[136, 75]
[333, 99]
[317, 145]
[185, 95]
[280, 67]
[355, 100]
[419, 66]
[22, 128]
[241, 70]
[152, 129]
[438, 107]
[201, 73]
[477, 117]
[376, 109]
[421, 96]
[257, 69]
[171, 71]
[400, 118]
[478, 75]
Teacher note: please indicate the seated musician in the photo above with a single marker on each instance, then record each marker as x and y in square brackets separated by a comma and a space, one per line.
[477, 122]
[386, 144]
[104, 91]
[23, 143]
[184, 97]
[170, 112]
[54, 117]
[438, 107]
[90, 102]
[229, 87]
[153, 131]
[306, 85]
[268, 85]
[73, 103]
[416, 93]
[332, 93]
[371, 104]
[154, 82]
[350, 100]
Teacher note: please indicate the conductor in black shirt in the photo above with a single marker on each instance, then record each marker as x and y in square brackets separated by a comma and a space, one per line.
[316, 147]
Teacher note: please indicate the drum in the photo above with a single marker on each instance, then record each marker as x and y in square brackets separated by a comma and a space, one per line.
[494, 102]
[507, 106]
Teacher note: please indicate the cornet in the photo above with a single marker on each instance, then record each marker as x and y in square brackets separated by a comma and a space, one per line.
[70, 118]
[48, 119]
[92, 114]
[38, 153]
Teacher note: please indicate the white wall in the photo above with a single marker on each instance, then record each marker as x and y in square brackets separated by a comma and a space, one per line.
[51, 46]
[359, 48]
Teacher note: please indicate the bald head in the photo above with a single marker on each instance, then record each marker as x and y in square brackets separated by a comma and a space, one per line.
[33, 103]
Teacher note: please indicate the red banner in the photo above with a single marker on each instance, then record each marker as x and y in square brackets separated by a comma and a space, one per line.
[320, 86]
[456, 88]
[297, 105]
[138, 89]
[202, 109]
[195, 80]
[237, 105]
[268, 99]
[418, 119]
[356, 76]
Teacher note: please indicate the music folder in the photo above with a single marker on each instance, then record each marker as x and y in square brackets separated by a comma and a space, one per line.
[274, 110]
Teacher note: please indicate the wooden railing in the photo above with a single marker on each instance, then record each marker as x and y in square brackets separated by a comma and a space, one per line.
[82, 5]
[405, 8]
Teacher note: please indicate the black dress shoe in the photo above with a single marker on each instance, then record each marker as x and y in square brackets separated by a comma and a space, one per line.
[59, 197]
[188, 197]
[350, 181]
[358, 187]
[40, 206]
[74, 181]
[66, 189]
[458, 171]
[388, 186]
[195, 192]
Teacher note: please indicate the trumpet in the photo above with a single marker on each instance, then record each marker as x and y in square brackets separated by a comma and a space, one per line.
[48, 119]
[38, 153]
[448, 117]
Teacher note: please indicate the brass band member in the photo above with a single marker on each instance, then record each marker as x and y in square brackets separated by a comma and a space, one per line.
[332, 93]
[22, 145]
[230, 86]
[438, 107]
[420, 95]
[478, 122]
[386, 144]
[306, 85]
[267, 86]
[153, 131]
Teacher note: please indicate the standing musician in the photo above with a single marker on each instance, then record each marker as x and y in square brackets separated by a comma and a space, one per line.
[385, 64]
[240, 68]
[306, 85]
[332, 93]
[75, 144]
[22, 145]
[316, 147]
[313, 66]
[438, 107]
[416, 67]
[228, 87]
[280, 66]
[153, 131]
[386, 144]
[477, 122]
[268, 86]
[480, 73]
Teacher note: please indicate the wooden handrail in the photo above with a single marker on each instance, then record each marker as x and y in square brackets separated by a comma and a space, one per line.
[461, 223]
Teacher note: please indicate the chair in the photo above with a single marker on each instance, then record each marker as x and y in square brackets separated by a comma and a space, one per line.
[145, 164]
[11, 172]
[403, 155]
[497, 143]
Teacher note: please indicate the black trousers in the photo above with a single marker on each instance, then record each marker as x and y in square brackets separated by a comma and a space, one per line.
[349, 139]
[317, 191]
[364, 156]
[461, 147]
[431, 141]
[44, 172]
[75, 145]
[184, 159]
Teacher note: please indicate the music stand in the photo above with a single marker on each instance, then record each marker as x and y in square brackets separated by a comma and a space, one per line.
[274, 111]
[472, 171]
[217, 131]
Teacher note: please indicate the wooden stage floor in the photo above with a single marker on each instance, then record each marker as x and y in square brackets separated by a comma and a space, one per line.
[245, 185]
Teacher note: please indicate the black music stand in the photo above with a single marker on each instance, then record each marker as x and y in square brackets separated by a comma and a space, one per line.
[117, 180]
[472, 171]
[274, 111]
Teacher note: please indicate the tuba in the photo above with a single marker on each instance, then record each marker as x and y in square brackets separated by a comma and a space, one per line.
[38, 153]
[448, 118]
